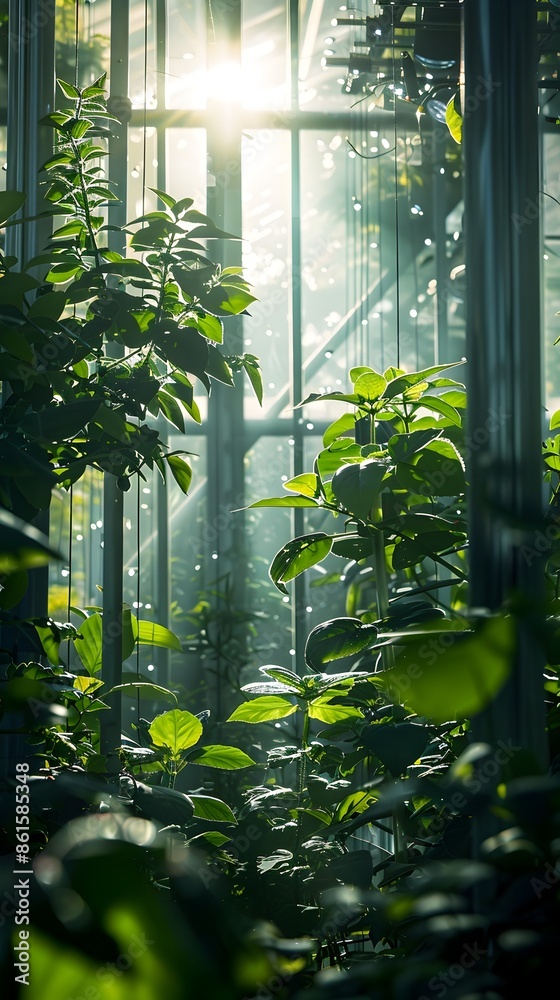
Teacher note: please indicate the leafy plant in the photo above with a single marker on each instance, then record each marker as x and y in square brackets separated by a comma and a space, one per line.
[106, 341]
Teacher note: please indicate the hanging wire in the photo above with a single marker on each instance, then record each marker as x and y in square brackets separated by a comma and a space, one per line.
[76, 41]
[397, 261]
[144, 123]
[70, 534]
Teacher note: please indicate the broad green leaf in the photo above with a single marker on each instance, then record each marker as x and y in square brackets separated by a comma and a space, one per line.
[340, 452]
[22, 546]
[255, 377]
[283, 502]
[403, 382]
[263, 709]
[87, 684]
[283, 675]
[337, 638]
[207, 807]
[50, 644]
[144, 689]
[322, 709]
[357, 487]
[555, 421]
[353, 547]
[152, 634]
[370, 386]
[59, 423]
[176, 730]
[211, 327]
[224, 757]
[306, 484]
[460, 679]
[10, 203]
[402, 446]
[181, 472]
[69, 90]
[396, 745]
[297, 556]
[454, 121]
[217, 366]
[171, 410]
[346, 422]
[439, 405]
[90, 646]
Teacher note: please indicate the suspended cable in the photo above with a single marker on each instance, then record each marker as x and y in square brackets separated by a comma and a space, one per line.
[397, 261]
[70, 534]
[76, 42]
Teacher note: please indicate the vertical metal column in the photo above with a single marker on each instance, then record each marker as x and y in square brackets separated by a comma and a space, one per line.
[299, 602]
[112, 497]
[224, 532]
[162, 574]
[31, 83]
[439, 190]
[503, 339]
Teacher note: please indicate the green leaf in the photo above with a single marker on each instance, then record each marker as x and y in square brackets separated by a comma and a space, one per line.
[322, 709]
[263, 709]
[353, 547]
[396, 745]
[60, 422]
[439, 405]
[171, 410]
[50, 644]
[10, 203]
[217, 366]
[145, 689]
[460, 679]
[454, 121]
[283, 502]
[152, 634]
[255, 377]
[207, 807]
[346, 422]
[176, 730]
[403, 382]
[337, 638]
[68, 90]
[224, 757]
[211, 327]
[402, 447]
[90, 647]
[181, 472]
[283, 675]
[165, 198]
[297, 556]
[555, 421]
[357, 487]
[306, 484]
[22, 546]
[370, 386]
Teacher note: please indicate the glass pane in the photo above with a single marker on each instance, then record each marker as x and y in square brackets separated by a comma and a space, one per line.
[264, 55]
[94, 40]
[266, 253]
[185, 160]
[142, 171]
[267, 464]
[185, 72]
[143, 78]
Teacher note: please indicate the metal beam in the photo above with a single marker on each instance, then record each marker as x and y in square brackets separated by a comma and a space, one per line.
[503, 340]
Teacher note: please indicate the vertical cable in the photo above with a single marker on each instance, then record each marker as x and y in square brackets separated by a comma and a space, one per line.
[397, 262]
[76, 41]
[70, 533]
